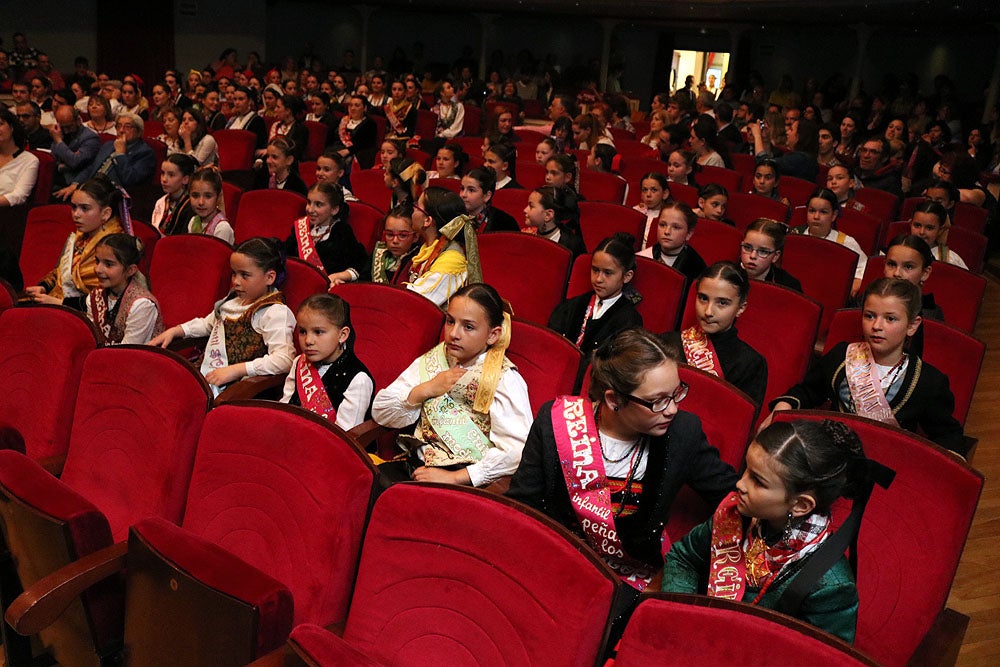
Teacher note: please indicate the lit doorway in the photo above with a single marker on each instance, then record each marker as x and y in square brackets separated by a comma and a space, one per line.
[708, 67]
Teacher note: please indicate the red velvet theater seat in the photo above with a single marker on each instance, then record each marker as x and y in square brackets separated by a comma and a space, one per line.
[189, 273]
[548, 362]
[302, 281]
[716, 241]
[268, 213]
[825, 269]
[368, 185]
[910, 543]
[600, 187]
[504, 254]
[43, 351]
[45, 235]
[439, 584]
[662, 291]
[366, 222]
[673, 629]
[601, 219]
[236, 149]
[744, 208]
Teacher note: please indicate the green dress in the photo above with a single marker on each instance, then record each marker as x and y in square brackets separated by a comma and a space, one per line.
[832, 606]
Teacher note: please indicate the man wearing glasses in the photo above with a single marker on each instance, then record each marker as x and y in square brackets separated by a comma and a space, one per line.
[127, 160]
[874, 168]
[30, 116]
[74, 146]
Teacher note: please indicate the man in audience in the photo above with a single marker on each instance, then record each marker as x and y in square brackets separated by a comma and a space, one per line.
[46, 69]
[724, 119]
[30, 115]
[874, 169]
[127, 160]
[20, 92]
[74, 146]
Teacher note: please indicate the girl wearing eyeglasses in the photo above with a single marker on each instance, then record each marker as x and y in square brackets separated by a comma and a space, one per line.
[713, 344]
[389, 263]
[760, 253]
[608, 466]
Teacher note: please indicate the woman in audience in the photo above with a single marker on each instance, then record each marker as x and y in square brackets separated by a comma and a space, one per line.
[377, 98]
[776, 519]
[18, 167]
[586, 133]
[713, 344]
[449, 111]
[328, 379]
[675, 225]
[501, 126]
[171, 119]
[822, 211]
[96, 208]
[850, 139]
[657, 121]
[356, 133]
[608, 466]
[553, 214]
[449, 256]
[400, 113]
[708, 149]
[133, 101]
[760, 253]
[194, 139]
[250, 332]
[161, 101]
[122, 308]
[471, 403]
[101, 119]
[323, 236]
[592, 317]
[877, 378]
[269, 97]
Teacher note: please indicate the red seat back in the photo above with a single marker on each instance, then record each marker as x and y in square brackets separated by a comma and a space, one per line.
[472, 145]
[745, 165]
[317, 139]
[908, 518]
[426, 123]
[393, 326]
[579, 277]
[45, 234]
[154, 128]
[301, 282]
[730, 179]
[599, 220]
[796, 190]
[367, 223]
[231, 196]
[632, 147]
[862, 227]
[971, 217]
[44, 349]
[547, 361]
[307, 170]
[949, 349]
[530, 174]
[529, 138]
[619, 134]
[7, 295]
[473, 123]
[295, 512]
[368, 185]
[662, 290]
[958, 292]
[684, 193]
[686, 629]
[435, 591]
[788, 354]
[716, 241]
[512, 202]
[453, 184]
[189, 273]
[910, 205]
[825, 269]
[744, 208]
[46, 175]
[420, 157]
[535, 299]
[268, 213]
[878, 203]
[138, 417]
[236, 149]
[598, 186]
[149, 235]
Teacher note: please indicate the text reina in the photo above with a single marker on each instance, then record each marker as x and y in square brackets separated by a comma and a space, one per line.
[583, 455]
[307, 384]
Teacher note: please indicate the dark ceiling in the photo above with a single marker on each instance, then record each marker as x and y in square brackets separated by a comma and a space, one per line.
[911, 12]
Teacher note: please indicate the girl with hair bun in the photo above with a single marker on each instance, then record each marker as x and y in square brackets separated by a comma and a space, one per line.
[591, 318]
[713, 344]
[551, 213]
[760, 253]
[675, 226]
[879, 377]
[637, 451]
[122, 308]
[822, 212]
[763, 534]
[250, 331]
[470, 403]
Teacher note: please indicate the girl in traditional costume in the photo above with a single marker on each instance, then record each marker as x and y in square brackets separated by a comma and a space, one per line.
[550, 213]
[822, 212]
[390, 261]
[760, 253]
[96, 207]
[323, 237]
[406, 178]
[209, 205]
[400, 113]
[654, 192]
[328, 378]
[122, 309]
[877, 377]
[713, 344]
[930, 222]
[674, 228]
[471, 403]
[250, 331]
[767, 538]
[172, 211]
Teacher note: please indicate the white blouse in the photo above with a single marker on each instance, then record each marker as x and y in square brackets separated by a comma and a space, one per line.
[510, 420]
[18, 177]
[953, 257]
[139, 324]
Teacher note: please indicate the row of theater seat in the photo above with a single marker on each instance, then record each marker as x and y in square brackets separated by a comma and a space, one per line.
[272, 502]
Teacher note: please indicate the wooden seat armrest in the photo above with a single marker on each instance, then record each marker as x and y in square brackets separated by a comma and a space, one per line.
[339, 651]
[941, 643]
[368, 432]
[250, 387]
[44, 601]
[53, 464]
[189, 348]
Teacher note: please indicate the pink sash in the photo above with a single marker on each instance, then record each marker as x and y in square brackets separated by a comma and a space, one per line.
[312, 393]
[307, 247]
[579, 447]
[699, 351]
[865, 385]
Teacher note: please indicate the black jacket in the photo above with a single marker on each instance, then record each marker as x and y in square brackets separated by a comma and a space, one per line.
[742, 366]
[567, 319]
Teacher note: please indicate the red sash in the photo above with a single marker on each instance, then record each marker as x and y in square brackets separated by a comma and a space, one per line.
[312, 393]
[307, 247]
[394, 122]
[579, 447]
[865, 385]
[586, 316]
[345, 136]
[727, 572]
[699, 351]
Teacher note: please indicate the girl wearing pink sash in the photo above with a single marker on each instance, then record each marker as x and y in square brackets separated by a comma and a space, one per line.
[713, 343]
[878, 377]
[761, 535]
[323, 237]
[328, 378]
[610, 465]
